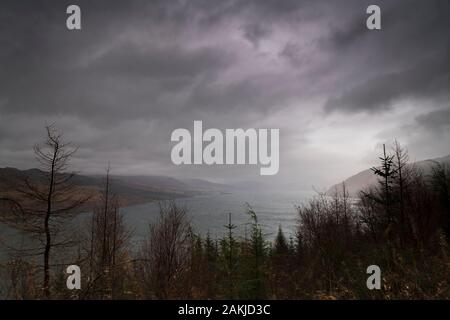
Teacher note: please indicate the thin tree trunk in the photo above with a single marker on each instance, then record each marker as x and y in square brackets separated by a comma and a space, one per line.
[105, 218]
[47, 229]
[91, 253]
[113, 267]
[386, 185]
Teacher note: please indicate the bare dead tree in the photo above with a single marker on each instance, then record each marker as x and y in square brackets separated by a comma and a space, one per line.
[42, 205]
[108, 246]
[165, 254]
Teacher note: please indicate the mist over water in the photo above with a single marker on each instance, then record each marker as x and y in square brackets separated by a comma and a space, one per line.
[209, 213]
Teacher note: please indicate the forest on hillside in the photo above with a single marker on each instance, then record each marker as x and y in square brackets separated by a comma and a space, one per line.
[402, 225]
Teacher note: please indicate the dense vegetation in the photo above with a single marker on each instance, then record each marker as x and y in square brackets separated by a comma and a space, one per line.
[402, 225]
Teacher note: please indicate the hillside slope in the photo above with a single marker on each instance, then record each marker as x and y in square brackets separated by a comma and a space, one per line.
[129, 189]
[366, 178]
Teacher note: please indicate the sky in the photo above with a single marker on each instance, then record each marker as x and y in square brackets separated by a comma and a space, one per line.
[137, 70]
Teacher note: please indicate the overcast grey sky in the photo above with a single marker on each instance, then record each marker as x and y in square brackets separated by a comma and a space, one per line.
[140, 69]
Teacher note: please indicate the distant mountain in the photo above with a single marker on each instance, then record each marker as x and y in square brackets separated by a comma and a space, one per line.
[163, 183]
[204, 185]
[366, 178]
[130, 189]
[153, 183]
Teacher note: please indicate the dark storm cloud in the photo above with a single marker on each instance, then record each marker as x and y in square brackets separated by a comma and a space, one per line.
[48, 58]
[139, 69]
[161, 63]
[418, 51]
[437, 120]
[428, 79]
[254, 32]
[126, 77]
